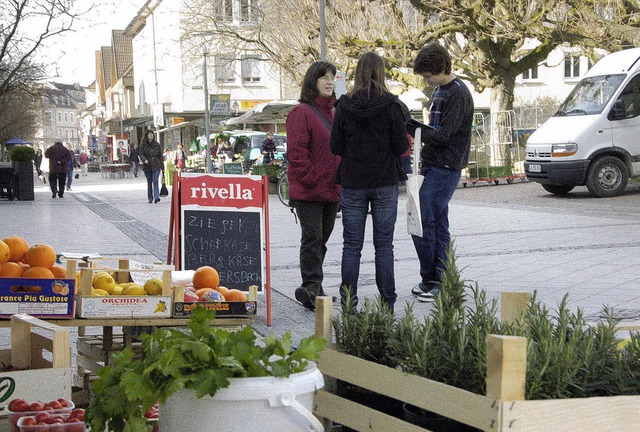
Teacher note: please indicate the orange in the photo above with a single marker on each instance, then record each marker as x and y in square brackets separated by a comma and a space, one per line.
[236, 295]
[38, 272]
[5, 252]
[202, 291]
[206, 277]
[59, 272]
[11, 269]
[18, 247]
[223, 290]
[41, 255]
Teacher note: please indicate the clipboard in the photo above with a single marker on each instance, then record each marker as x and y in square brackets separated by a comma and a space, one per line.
[414, 124]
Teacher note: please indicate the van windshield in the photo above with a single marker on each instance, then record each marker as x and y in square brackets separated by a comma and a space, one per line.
[591, 95]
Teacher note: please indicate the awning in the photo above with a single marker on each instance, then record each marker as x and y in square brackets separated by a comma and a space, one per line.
[266, 113]
[137, 121]
[16, 140]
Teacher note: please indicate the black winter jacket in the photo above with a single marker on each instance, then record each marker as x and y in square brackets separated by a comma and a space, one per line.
[370, 135]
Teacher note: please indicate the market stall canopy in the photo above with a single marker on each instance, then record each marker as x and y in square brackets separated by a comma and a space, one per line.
[266, 113]
[16, 140]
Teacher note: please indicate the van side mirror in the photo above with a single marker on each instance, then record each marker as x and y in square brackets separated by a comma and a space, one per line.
[617, 111]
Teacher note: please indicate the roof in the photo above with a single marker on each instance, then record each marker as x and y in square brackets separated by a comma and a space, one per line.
[107, 52]
[122, 52]
[266, 113]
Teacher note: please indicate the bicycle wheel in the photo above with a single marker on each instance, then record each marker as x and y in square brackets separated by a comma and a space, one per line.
[283, 189]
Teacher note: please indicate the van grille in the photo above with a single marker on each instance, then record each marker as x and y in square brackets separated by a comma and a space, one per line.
[538, 155]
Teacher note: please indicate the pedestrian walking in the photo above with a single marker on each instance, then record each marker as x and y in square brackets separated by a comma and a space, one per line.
[313, 192]
[84, 163]
[134, 158]
[370, 135]
[152, 164]
[445, 153]
[71, 165]
[58, 156]
[38, 162]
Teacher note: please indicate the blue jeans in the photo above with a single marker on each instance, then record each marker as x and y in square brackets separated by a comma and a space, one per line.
[384, 209]
[153, 190]
[436, 192]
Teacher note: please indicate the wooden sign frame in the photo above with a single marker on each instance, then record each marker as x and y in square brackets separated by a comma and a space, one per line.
[215, 218]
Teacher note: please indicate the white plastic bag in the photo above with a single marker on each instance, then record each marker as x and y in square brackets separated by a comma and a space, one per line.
[414, 183]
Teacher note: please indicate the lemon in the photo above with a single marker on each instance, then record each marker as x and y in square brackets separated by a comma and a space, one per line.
[117, 290]
[134, 290]
[104, 281]
[153, 286]
[100, 293]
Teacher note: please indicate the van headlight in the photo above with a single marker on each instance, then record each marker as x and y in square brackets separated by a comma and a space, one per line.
[562, 150]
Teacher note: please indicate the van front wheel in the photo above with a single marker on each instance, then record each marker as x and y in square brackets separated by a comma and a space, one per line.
[558, 189]
[607, 177]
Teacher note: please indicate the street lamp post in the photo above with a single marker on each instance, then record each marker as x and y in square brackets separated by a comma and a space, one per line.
[207, 127]
[323, 31]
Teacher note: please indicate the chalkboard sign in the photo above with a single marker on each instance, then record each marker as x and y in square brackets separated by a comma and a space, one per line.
[232, 168]
[228, 241]
[222, 226]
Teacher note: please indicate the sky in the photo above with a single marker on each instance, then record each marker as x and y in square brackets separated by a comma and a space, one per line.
[74, 52]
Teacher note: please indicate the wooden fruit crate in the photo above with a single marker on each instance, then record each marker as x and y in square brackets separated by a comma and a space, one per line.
[502, 409]
[42, 349]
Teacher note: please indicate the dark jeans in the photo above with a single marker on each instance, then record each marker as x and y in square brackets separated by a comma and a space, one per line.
[153, 190]
[384, 209]
[436, 192]
[136, 168]
[57, 183]
[69, 178]
[317, 220]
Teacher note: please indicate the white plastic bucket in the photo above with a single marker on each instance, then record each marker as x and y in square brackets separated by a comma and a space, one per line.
[249, 404]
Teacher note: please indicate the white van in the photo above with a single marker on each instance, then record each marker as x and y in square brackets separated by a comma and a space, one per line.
[594, 138]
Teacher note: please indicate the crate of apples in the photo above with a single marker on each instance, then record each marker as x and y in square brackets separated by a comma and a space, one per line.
[18, 408]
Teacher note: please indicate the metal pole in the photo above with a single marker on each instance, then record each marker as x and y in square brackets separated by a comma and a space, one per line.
[323, 45]
[206, 115]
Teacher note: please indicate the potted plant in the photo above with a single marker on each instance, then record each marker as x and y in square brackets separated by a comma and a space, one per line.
[22, 157]
[184, 368]
[566, 358]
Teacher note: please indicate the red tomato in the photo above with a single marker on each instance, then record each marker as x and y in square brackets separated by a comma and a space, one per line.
[55, 405]
[77, 413]
[36, 406]
[43, 417]
[29, 421]
[56, 419]
[63, 402]
[19, 405]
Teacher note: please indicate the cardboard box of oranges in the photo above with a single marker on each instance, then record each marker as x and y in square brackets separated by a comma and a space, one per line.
[31, 282]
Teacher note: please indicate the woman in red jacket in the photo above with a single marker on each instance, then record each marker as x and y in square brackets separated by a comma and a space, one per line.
[313, 191]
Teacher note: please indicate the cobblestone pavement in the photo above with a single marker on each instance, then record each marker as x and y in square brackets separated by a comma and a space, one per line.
[508, 237]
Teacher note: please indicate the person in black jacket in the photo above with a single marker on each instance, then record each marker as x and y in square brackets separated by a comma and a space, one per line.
[152, 163]
[268, 149]
[370, 135]
[445, 153]
[59, 157]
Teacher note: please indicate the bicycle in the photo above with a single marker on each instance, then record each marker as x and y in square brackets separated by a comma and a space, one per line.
[283, 183]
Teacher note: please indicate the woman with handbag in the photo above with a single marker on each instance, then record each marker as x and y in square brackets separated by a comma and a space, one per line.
[151, 158]
[312, 169]
[370, 136]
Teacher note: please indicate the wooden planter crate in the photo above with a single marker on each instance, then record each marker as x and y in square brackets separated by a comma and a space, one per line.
[42, 349]
[502, 409]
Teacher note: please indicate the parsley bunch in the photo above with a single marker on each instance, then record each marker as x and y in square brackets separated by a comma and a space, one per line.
[201, 358]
